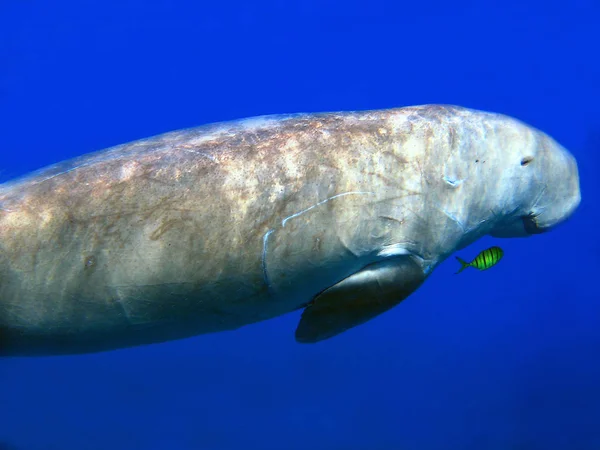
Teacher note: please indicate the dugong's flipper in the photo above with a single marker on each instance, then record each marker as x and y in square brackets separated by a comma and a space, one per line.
[358, 298]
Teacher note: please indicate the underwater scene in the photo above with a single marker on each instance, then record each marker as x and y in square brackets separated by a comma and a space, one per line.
[299, 225]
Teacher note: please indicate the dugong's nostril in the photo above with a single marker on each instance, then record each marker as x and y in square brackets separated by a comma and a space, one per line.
[526, 160]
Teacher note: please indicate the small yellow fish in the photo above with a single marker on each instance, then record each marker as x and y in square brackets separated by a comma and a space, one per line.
[484, 260]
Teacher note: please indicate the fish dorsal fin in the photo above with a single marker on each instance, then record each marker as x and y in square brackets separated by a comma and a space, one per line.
[358, 298]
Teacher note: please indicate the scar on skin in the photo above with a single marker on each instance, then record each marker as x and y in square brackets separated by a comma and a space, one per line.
[452, 181]
[199, 153]
[264, 258]
[162, 229]
[283, 222]
[63, 172]
[119, 302]
[453, 218]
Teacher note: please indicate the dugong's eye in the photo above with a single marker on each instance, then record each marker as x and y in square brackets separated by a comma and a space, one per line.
[526, 160]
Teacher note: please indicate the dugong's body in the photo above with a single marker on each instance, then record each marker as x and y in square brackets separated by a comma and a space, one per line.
[210, 229]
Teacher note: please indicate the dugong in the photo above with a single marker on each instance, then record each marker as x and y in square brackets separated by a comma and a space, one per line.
[209, 229]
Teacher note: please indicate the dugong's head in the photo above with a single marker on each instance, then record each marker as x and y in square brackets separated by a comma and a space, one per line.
[550, 192]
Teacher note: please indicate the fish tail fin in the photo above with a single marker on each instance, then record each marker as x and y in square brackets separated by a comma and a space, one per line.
[463, 264]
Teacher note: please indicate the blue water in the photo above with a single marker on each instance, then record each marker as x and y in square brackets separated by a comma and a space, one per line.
[503, 359]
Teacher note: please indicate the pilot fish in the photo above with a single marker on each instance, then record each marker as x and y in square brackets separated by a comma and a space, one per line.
[486, 259]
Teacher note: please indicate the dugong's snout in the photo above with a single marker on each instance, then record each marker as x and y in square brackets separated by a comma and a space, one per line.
[559, 195]
[549, 193]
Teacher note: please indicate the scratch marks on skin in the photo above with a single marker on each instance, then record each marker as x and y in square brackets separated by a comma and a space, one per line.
[538, 198]
[264, 258]
[284, 221]
[448, 214]
[322, 202]
[454, 182]
[120, 302]
[455, 219]
[190, 149]
[63, 172]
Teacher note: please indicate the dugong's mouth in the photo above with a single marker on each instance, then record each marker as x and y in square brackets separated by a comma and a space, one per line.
[531, 225]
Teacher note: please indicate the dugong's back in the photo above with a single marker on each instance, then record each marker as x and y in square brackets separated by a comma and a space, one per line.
[145, 242]
[210, 229]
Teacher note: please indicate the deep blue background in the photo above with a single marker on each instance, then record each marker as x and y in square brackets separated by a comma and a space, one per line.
[504, 359]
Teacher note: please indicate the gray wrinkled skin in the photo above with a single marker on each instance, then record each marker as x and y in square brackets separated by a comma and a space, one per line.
[213, 228]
